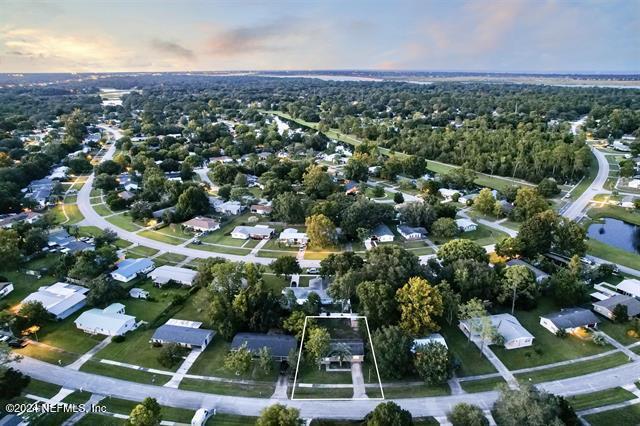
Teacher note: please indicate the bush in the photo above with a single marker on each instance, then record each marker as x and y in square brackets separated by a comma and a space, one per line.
[599, 339]
[118, 339]
[561, 333]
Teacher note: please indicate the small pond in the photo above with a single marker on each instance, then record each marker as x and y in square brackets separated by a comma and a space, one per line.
[617, 233]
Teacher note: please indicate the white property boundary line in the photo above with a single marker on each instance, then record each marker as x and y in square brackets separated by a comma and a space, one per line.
[373, 353]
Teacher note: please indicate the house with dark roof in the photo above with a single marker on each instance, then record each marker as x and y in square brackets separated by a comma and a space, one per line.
[278, 344]
[411, 232]
[606, 307]
[570, 320]
[344, 350]
[538, 273]
[187, 334]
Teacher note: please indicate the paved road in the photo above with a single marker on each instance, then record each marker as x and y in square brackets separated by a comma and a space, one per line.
[92, 218]
[433, 406]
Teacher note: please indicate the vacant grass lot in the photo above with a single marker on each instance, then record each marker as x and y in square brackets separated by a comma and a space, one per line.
[141, 251]
[93, 419]
[169, 259]
[102, 209]
[415, 391]
[123, 406]
[547, 348]
[157, 236]
[40, 388]
[123, 221]
[627, 416]
[262, 390]
[600, 398]
[128, 374]
[220, 249]
[573, 370]
[482, 385]
[472, 362]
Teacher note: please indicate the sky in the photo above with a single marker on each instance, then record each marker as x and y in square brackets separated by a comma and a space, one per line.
[199, 35]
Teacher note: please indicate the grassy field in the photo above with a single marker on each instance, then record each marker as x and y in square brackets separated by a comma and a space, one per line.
[102, 209]
[230, 420]
[220, 249]
[415, 391]
[123, 406]
[48, 355]
[547, 348]
[618, 331]
[262, 390]
[627, 416]
[482, 385]
[72, 212]
[615, 212]
[40, 388]
[573, 370]
[136, 350]
[92, 419]
[123, 373]
[123, 221]
[141, 251]
[613, 254]
[157, 236]
[600, 398]
[169, 259]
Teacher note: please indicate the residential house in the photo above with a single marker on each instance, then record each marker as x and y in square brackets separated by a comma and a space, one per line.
[126, 195]
[351, 188]
[343, 350]
[201, 224]
[432, 338]
[607, 306]
[293, 237]
[316, 285]
[8, 220]
[60, 299]
[159, 214]
[261, 209]
[128, 269]
[620, 146]
[634, 183]
[110, 321]
[630, 287]
[125, 180]
[5, 288]
[166, 273]
[466, 225]
[448, 194]
[540, 275]
[138, 293]
[628, 202]
[570, 320]
[382, 234]
[229, 208]
[514, 335]
[184, 333]
[174, 176]
[468, 198]
[258, 232]
[411, 232]
[278, 344]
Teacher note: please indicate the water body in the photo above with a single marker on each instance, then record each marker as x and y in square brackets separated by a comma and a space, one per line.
[616, 233]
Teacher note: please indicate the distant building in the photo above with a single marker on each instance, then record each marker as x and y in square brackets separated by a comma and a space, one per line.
[129, 269]
[110, 321]
[293, 237]
[316, 285]
[258, 232]
[229, 208]
[466, 225]
[606, 307]
[570, 320]
[126, 195]
[448, 194]
[187, 334]
[628, 202]
[278, 344]
[60, 299]
[382, 234]
[634, 183]
[166, 273]
[539, 274]
[630, 287]
[513, 333]
[5, 288]
[411, 232]
[261, 210]
[622, 147]
[432, 338]
[202, 224]
[8, 220]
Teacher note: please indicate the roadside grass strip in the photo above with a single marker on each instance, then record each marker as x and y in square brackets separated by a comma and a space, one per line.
[601, 398]
[579, 368]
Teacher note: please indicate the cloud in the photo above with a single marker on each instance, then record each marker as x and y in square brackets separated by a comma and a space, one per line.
[172, 48]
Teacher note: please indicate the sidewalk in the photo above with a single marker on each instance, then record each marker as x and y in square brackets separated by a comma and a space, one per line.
[88, 355]
[182, 370]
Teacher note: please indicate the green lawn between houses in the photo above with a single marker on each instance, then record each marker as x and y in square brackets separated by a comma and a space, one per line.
[599, 399]
[572, 370]
[627, 416]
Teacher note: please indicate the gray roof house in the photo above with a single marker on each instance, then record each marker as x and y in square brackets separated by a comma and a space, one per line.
[279, 344]
[539, 274]
[606, 307]
[184, 333]
[411, 232]
[382, 233]
[569, 320]
[316, 285]
[60, 299]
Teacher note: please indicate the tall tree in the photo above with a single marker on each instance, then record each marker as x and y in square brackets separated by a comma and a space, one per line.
[279, 415]
[321, 231]
[393, 351]
[420, 303]
[148, 413]
[377, 303]
[389, 413]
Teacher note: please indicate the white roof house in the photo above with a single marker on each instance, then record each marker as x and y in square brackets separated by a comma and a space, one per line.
[256, 232]
[513, 333]
[110, 321]
[629, 287]
[229, 207]
[382, 233]
[411, 232]
[60, 299]
[128, 269]
[634, 183]
[163, 274]
[316, 285]
[432, 338]
[466, 225]
[292, 236]
[5, 288]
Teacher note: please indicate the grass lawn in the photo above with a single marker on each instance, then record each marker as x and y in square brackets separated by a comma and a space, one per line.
[157, 236]
[175, 230]
[194, 309]
[547, 347]
[169, 259]
[275, 283]
[230, 420]
[77, 397]
[211, 363]
[70, 199]
[274, 244]
[102, 209]
[48, 419]
[141, 251]
[598, 399]
[614, 212]
[148, 310]
[613, 254]
[24, 284]
[262, 390]
[572, 370]
[64, 335]
[52, 356]
[93, 419]
[311, 254]
[123, 373]
[274, 254]
[618, 331]
[415, 391]
[40, 388]
[627, 416]
[472, 362]
[220, 249]
[95, 192]
[135, 349]
[120, 243]
[309, 373]
[123, 406]
[223, 235]
[482, 385]
[123, 221]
